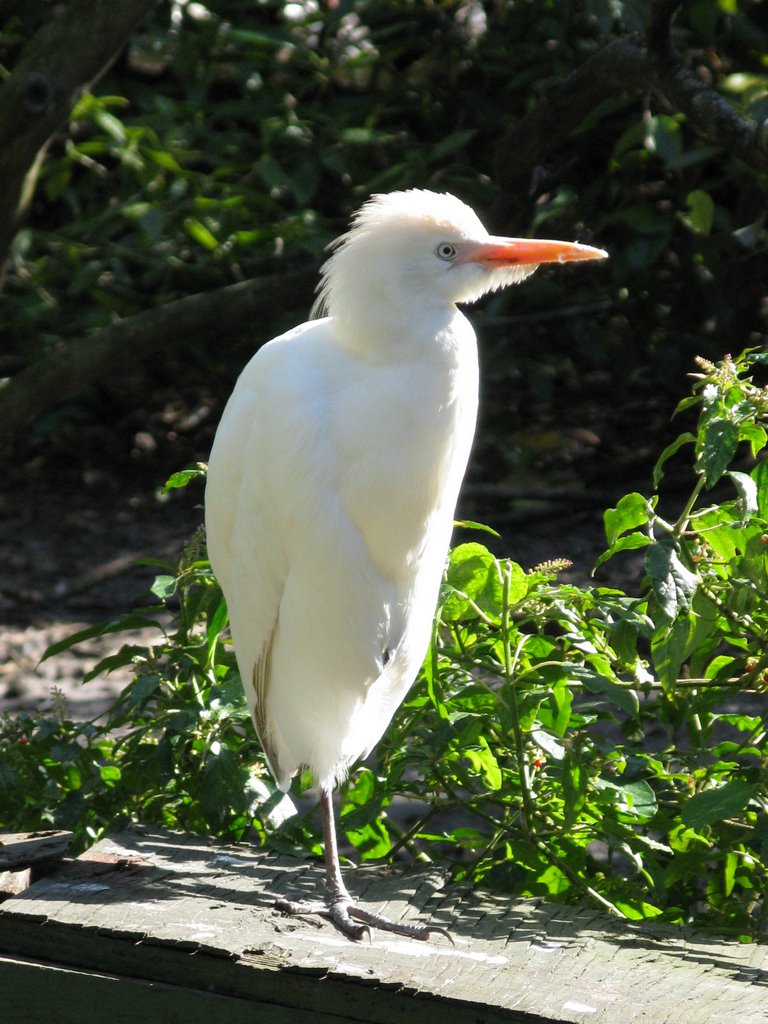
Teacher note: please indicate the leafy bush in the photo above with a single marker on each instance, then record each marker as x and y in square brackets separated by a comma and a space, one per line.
[231, 131]
[565, 741]
[603, 744]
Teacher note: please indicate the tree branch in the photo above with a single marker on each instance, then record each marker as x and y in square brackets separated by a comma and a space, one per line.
[63, 58]
[225, 316]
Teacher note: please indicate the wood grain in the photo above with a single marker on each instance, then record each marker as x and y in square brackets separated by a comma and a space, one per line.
[183, 922]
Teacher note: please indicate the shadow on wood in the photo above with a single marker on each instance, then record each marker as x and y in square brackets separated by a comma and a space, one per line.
[151, 926]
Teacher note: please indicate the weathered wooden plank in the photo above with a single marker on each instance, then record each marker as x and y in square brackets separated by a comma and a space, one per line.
[14, 882]
[178, 910]
[21, 849]
[34, 991]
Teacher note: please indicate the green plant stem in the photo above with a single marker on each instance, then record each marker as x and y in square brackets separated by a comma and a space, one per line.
[405, 839]
[573, 877]
[510, 666]
[682, 523]
[737, 619]
[467, 804]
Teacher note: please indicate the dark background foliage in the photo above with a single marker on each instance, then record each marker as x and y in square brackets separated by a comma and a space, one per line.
[232, 140]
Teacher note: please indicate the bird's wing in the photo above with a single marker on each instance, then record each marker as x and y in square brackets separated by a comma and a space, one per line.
[237, 539]
[309, 611]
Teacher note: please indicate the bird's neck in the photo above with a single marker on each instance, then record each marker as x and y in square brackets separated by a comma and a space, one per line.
[404, 333]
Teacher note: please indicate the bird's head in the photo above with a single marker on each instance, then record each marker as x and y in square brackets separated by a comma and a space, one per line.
[421, 251]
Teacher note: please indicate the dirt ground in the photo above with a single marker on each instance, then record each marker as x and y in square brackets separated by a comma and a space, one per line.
[70, 558]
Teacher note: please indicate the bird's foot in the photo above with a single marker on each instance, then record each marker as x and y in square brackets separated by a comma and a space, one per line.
[356, 922]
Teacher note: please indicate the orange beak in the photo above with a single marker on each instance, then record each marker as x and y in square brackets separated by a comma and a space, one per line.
[510, 252]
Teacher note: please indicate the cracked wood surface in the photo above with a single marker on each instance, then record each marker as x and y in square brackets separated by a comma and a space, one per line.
[150, 925]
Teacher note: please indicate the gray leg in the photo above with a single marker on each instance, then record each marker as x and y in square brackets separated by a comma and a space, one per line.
[338, 904]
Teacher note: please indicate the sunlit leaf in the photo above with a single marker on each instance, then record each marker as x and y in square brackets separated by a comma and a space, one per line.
[631, 511]
[747, 490]
[468, 524]
[183, 477]
[164, 587]
[629, 542]
[474, 577]
[637, 910]
[673, 584]
[484, 764]
[718, 446]
[755, 435]
[638, 798]
[197, 230]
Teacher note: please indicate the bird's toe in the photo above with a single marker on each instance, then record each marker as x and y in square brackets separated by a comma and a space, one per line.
[411, 931]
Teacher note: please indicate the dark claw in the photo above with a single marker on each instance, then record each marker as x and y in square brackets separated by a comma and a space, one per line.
[344, 914]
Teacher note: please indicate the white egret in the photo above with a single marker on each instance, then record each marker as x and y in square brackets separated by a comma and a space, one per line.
[332, 486]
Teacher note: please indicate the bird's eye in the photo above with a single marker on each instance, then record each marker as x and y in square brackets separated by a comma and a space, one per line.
[445, 251]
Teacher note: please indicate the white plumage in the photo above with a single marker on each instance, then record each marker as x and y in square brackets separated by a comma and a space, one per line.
[333, 480]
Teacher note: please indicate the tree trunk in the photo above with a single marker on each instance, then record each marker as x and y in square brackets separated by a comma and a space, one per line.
[59, 63]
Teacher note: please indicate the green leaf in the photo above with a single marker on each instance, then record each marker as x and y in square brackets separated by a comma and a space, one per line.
[687, 403]
[275, 806]
[760, 475]
[640, 798]
[669, 647]
[576, 780]
[702, 211]
[730, 864]
[125, 656]
[669, 451]
[110, 124]
[222, 785]
[713, 805]
[635, 798]
[218, 622]
[144, 686]
[756, 435]
[182, 478]
[518, 582]
[631, 542]
[560, 702]
[636, 910]
[721, 667]
[164, 587]
[201, 234]
[723, 534]
[747, 491]
[469, 524]
[484, 764]
[474, 577]
[138, 619]
[631, 511]
[372, 840]
[548, 744]
[673, 584]
[717, 448]
[164, 160]
[110, 774]
[622, 696]
[664, 137]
